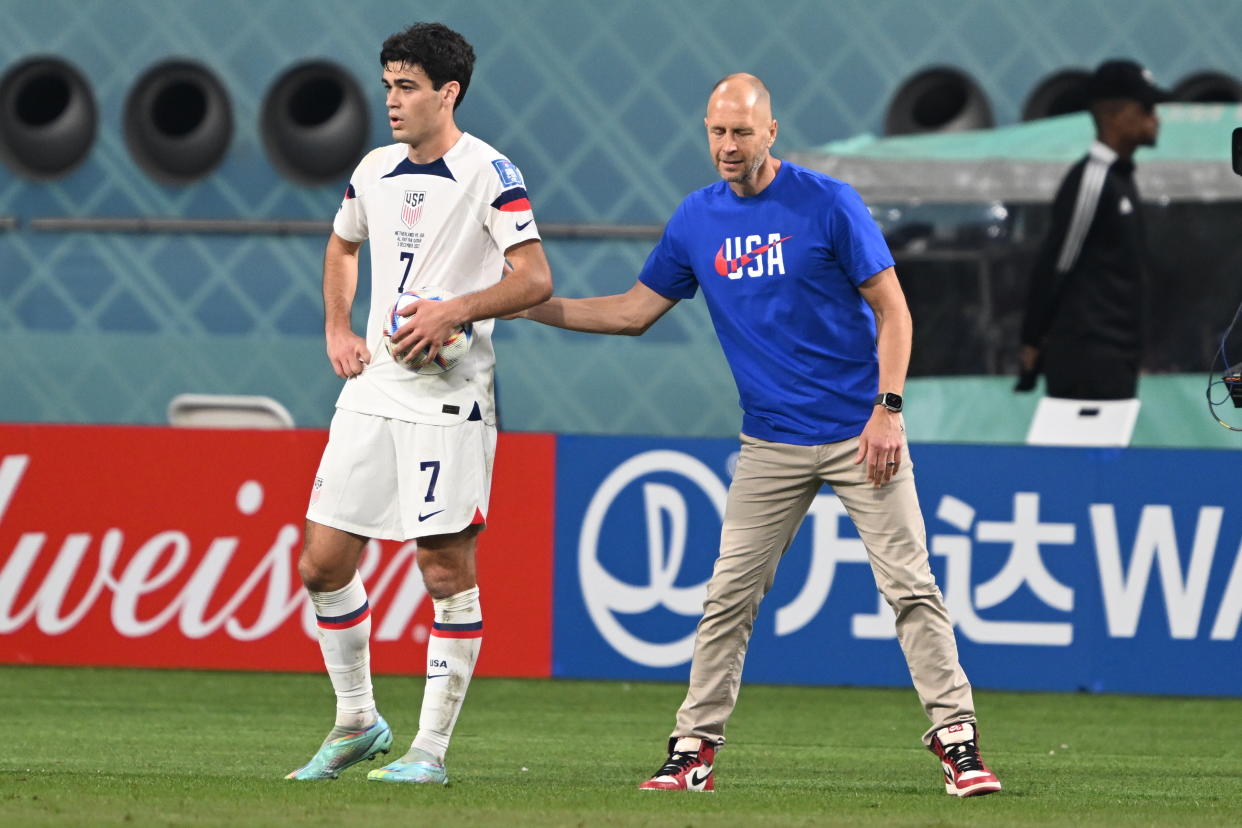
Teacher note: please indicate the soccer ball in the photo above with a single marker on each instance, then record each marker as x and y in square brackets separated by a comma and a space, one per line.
[452, 350]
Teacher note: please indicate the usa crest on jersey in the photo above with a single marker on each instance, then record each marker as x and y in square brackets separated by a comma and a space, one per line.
[412, 207]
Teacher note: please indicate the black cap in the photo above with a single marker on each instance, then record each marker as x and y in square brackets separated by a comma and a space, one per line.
[1125, 79]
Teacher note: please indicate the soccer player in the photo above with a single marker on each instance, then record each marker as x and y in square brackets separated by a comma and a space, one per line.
[410, 455]
[790, 262]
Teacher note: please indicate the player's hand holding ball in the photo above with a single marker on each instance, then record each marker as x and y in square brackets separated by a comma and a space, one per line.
[419, 338]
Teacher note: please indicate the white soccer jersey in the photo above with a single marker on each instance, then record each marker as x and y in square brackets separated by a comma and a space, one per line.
[445, 224]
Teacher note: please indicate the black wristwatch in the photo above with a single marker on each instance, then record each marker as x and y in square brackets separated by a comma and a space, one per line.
[890, 401]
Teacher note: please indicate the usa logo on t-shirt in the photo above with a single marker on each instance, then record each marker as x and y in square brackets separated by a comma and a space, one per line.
[412, 207]
[509, 175]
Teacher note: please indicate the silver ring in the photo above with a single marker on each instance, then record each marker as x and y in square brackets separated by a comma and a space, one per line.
[891, 463]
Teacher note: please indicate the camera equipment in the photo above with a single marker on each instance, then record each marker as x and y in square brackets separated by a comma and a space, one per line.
[1233, 381]
[1231, 376]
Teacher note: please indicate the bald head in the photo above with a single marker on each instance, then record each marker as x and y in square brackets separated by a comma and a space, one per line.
[742, 90]
[740, 131]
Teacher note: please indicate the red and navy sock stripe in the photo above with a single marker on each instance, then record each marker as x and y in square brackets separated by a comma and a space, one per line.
[472, 630]
[342, 622]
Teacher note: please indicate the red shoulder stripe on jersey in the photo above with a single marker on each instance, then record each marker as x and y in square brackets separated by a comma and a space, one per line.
[519, 206]
[512, 200]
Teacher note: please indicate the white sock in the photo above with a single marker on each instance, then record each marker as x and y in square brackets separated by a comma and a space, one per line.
[344, 621]
[452, 651]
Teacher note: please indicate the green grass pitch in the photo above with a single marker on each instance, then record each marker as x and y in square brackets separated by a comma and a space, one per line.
[142, 747]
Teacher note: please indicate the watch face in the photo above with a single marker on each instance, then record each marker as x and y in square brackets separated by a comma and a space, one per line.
[892, 402]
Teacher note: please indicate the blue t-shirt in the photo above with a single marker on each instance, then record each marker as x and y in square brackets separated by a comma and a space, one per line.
[780, 272]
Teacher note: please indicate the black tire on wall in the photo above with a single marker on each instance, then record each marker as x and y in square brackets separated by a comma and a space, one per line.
[1060, 93]
[48, 117]
[315, 122]
[1208, 87]
[178, 121]
[939, 99]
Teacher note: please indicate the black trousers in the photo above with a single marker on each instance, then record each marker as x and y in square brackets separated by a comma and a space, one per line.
[1079, 372]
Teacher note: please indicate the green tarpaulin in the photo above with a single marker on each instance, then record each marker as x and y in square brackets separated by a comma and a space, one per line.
[1025, 162]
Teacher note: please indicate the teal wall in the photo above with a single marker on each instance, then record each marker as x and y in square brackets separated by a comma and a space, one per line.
[597, 102]
[1173, 412]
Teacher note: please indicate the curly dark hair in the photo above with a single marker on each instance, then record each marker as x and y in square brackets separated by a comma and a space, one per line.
[443, 53]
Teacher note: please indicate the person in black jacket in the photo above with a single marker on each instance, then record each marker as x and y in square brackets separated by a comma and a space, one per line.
[1086, 305]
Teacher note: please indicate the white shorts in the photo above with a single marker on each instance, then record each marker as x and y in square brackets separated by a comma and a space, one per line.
[396, 480]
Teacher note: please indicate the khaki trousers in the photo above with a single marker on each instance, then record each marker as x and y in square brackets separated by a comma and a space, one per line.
[772, 489]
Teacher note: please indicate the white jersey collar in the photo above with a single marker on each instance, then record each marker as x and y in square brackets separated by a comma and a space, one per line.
[1103, 152]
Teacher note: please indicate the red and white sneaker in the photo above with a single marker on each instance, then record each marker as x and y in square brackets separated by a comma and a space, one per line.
[957, 747]
[689, 767]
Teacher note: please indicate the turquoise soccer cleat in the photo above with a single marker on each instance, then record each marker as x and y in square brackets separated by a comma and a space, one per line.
[417, 766]
[341, 751]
